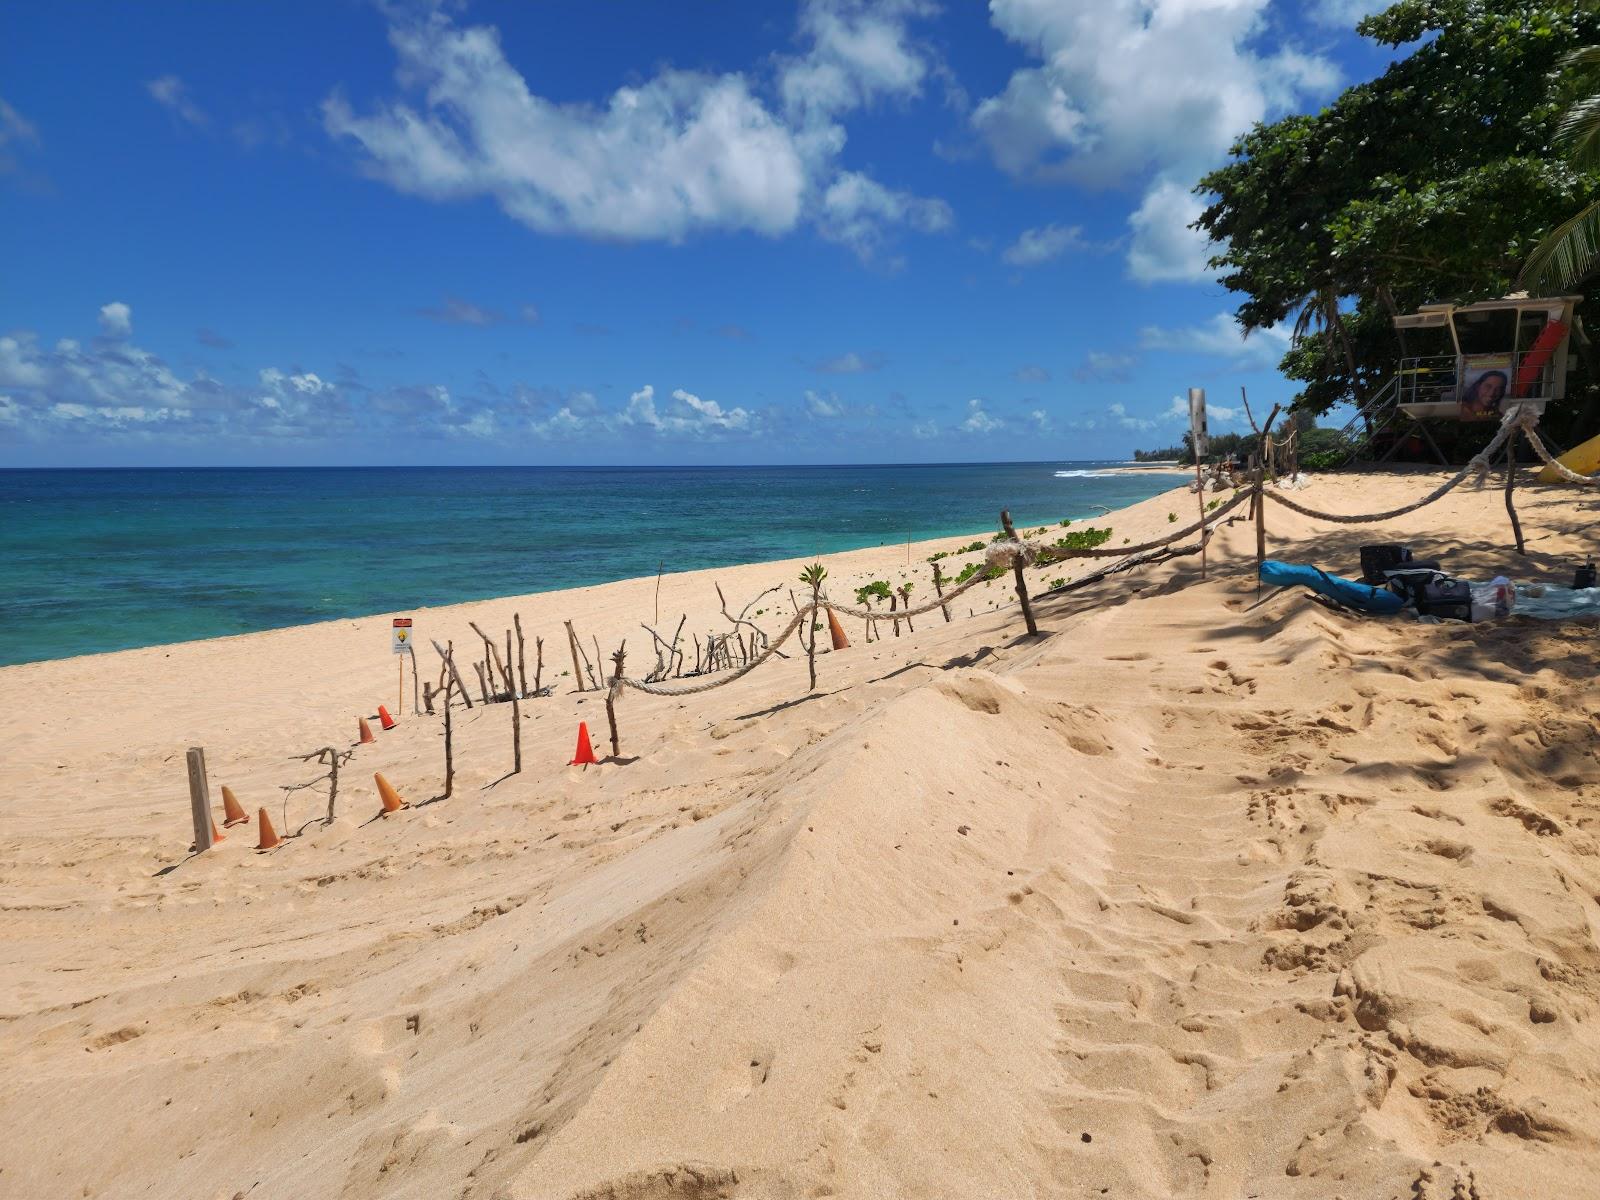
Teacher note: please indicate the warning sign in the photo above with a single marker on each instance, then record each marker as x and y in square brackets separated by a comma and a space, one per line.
[401, 635]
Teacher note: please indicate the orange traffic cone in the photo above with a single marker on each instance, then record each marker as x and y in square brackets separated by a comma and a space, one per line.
[269, 837]
[390, 797]
[366, 738]
[232, 812]
[385, 719]
[585, 752]
[836, 632]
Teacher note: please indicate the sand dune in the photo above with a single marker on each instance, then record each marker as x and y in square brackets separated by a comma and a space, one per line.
[1196, 895]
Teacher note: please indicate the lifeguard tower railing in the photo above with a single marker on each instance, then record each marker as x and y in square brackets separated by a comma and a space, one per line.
[1436, 380]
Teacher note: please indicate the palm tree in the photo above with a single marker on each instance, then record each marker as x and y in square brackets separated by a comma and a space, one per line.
[1571, 251]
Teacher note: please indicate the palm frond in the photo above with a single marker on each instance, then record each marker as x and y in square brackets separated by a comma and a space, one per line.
[1579, 131]
[1568, 254]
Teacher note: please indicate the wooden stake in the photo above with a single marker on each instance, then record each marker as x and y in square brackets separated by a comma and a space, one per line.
[611, 708]
[199, 798]
[1022, 583]
[538, 666]
[522, 662]
[449, 746]
[447, 654]
[572, 642]
[411, 649]
[938, 586]
[516, 711]
[1200, 497]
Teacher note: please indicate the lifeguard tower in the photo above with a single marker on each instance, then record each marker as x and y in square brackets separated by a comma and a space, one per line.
[1468, 362]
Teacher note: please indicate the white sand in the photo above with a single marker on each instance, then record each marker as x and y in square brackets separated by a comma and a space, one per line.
[1193, 896]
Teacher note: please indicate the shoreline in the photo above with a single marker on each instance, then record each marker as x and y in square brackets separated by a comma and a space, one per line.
[919, 551]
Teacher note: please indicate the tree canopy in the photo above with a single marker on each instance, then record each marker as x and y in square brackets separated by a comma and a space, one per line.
[1431, 182]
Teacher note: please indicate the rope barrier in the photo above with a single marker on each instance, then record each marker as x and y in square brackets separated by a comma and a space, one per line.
[1007, 551]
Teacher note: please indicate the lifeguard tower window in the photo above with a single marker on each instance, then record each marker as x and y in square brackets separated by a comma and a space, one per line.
[1492, 332]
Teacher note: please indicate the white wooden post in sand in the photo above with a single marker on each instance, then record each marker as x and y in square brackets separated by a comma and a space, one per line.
[199, 798]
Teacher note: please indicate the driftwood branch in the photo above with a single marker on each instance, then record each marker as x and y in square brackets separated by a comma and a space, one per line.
[448, 655]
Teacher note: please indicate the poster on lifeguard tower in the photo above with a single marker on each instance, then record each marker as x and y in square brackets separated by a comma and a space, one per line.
[1485, 380]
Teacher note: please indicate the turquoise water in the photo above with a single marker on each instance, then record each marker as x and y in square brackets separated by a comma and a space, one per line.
[99, 560]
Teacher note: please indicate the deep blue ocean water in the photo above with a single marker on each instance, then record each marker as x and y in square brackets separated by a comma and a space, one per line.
[95, 560]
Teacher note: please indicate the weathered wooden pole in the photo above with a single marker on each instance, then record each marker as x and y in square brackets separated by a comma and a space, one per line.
[449, 747]
[611, 697]
[1022, 583]
[522, 661]
[938, 586]
[447, 654]
[538, 665]
[199, 798]
[572, 642]
[516, 708]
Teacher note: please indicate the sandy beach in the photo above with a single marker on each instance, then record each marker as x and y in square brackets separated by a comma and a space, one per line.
[1197, 894]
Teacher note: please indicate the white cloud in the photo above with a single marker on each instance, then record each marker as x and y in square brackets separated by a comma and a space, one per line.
[15, 130]
[1164, 247]
[702, 416]
[1040, 419]
[173, 94]
[1178, 410]
[823, 405]
[1222, 337]
[1036, 246]
[116, 319]
[1133, 89]
[681, 153]
[1031, 374]
[849, 363]
[857, 211]
[979, 421]
[1127, 420]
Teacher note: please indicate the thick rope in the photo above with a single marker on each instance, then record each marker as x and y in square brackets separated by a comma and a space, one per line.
[1559, 467]
[1518, 417]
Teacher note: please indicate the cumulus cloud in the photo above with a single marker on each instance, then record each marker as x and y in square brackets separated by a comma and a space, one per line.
[978, 420]
[116, 319]
[858, 212]
[823, 405]
[1164, 247]
[849, 363]
[173, 95]
[1035, 246]
[692, 415]
[1178, 410]
[681, 153]
[1222, 337]
[1134, 90]
[1121, 416]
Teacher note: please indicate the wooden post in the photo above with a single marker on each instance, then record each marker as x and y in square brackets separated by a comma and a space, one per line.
[572, 642]
[411, 649]
[199, 798]
[1511, 482]
[516, 707]
[1022, 583]
[449, 748]
[400, 680]
[1200, 499]
[483, 686]
[938, 586]
[611, 707]
[522, 661]
[538, 666]
[447, 654]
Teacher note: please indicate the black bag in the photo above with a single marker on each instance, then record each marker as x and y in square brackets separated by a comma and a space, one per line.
[1375, 560]
[1445, 598]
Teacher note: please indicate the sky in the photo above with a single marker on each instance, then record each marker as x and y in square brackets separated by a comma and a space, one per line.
[630, 232]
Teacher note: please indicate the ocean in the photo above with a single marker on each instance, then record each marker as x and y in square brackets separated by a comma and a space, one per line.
[97, 560]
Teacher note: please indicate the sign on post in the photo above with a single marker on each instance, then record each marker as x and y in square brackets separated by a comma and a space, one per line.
[400, 635]
[1197, 421]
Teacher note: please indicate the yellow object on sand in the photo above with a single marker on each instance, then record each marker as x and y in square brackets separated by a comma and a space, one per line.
[1583, 459]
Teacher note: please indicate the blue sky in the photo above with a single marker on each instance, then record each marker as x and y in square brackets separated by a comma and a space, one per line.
[495, 232]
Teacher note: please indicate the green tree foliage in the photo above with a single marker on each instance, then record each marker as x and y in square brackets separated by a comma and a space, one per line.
[1571, 252]
[1431, 182]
